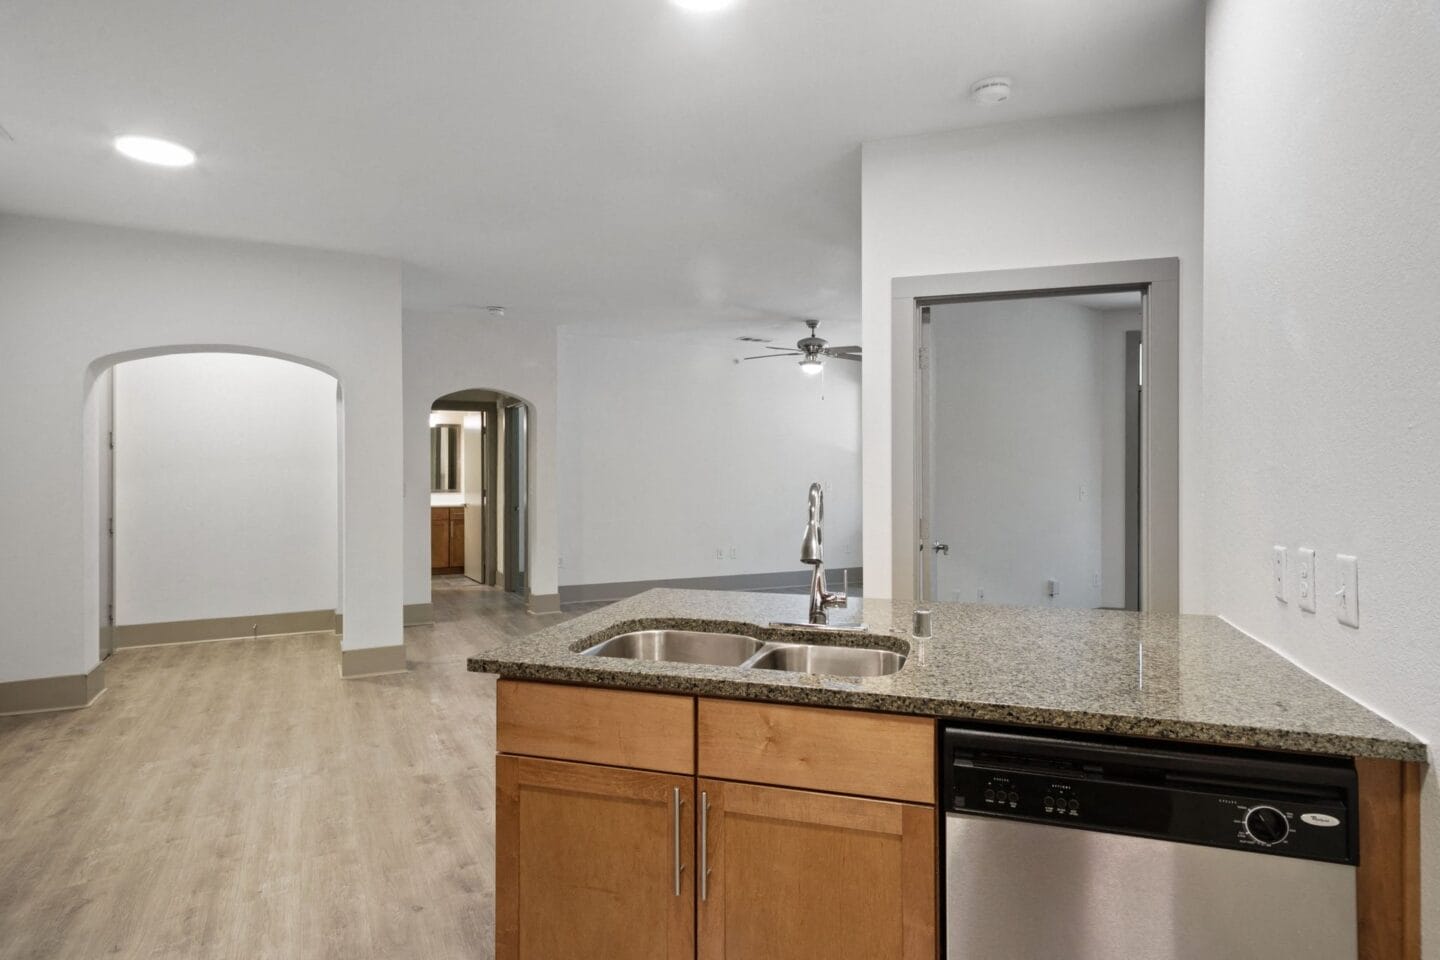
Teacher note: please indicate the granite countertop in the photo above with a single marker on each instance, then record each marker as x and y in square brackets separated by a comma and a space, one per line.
[1150, 675]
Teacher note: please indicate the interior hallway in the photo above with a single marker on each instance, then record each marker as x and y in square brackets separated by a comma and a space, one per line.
[237, 799]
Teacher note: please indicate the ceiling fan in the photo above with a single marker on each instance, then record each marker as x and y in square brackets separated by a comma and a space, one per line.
[812, 351]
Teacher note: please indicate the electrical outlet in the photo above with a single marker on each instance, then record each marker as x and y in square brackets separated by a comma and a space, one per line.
[560, 562]
[1052, 588]
[719, 553]
[1278, 562]
[979, 594]
[1305, 578]
[1347, 594]
[732, 553]
[1095, 579]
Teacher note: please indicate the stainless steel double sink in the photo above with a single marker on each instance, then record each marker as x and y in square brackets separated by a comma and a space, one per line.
[748, 653]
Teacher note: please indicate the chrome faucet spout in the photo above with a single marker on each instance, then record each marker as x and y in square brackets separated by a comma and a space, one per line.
[812, 553]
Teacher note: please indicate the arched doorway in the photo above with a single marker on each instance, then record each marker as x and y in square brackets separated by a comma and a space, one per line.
[480, 489]
[214, 477]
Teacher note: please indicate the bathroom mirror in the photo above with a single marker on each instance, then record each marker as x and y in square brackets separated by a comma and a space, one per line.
[1036, 452]
[445, 458]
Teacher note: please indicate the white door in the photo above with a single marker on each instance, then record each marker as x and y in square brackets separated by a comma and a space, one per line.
[472, 484]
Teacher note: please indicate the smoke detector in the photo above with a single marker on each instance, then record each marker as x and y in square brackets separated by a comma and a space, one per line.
[990, 91]
[495, 311]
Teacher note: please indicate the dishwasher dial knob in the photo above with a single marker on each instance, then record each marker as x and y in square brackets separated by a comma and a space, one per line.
[1266, 825]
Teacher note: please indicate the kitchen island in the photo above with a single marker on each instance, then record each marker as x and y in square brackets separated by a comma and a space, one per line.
[729, 786]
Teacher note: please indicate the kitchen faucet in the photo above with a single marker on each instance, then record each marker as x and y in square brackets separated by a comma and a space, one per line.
[812, 552]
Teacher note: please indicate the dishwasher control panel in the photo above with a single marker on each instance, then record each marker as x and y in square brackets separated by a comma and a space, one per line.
[1240, 800]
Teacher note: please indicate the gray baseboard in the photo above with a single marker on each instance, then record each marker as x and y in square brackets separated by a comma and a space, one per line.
[755, 582]
[44, 694]
[543, 602]
[419, 614]
[224, 628]
[372, 661]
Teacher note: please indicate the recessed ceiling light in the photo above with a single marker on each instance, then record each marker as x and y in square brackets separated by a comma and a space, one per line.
[702, 6]
[162, 153]
[990, 91]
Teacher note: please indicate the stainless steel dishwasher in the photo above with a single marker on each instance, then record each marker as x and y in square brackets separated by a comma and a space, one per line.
[1088, 848]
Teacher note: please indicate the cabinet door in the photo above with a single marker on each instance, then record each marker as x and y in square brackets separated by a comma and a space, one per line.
[592, 862]
[457, 542]
[439, 542]
[794, 875]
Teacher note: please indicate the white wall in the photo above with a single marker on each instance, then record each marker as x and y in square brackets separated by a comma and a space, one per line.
[1017, 452]
[226, 488]
[669, 450]
[74, 298]
[1322, 343]
[448, 352]
[1117, 186]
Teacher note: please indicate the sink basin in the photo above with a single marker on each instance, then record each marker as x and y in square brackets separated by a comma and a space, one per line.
[832, 661]
[679, 646]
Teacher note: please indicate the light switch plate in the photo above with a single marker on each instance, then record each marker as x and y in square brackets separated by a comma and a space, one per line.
[1305, 578]
[1347, 593]
[1277, 571]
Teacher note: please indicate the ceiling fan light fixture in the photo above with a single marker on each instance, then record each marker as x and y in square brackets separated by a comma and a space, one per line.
[812, 365]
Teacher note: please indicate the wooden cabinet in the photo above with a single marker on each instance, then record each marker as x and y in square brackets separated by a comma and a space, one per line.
[586, 850]
[447, 539]
[796, 875]
[593, 862]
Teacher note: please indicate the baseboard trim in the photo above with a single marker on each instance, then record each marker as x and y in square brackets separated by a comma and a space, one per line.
[756, 582]
[224, 628]
[46, 694]
[372, 661]
[419, 614]
[543, 603]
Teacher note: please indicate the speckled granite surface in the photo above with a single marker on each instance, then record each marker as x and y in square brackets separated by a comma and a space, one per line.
[1152, 675]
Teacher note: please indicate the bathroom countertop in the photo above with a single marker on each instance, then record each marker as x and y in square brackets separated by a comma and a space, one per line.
[1191, 678]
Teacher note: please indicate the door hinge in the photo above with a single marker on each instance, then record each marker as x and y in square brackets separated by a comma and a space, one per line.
[110, 526]
[110, 613]
[112, 439]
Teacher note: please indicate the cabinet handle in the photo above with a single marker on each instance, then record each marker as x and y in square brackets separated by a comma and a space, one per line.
[678, 865]
[704, 846]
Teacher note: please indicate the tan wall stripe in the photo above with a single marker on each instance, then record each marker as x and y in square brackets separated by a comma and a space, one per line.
[369, 661]
[223, 628]
[52, 693]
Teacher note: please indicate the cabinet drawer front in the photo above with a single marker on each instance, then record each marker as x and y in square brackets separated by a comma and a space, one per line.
[622, 728]
[839, 751]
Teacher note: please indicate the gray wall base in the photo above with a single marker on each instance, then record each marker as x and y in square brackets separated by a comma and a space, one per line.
[756, 582]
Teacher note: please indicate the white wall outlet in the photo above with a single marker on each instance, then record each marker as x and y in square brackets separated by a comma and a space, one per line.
[732, 553]
[1052, 588]
[719, 553]
[979, 594]
[1305, 578]
[1347, 592]
[1278, 562]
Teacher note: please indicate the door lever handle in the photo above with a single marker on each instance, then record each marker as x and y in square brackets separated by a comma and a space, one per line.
[939, 547]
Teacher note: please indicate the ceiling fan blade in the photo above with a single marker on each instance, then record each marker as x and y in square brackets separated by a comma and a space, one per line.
[844, 356]
[786, 349]
[773, 356]
[852, 348]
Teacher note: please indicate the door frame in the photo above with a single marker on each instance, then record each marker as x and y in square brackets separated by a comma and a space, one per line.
[1158, 283]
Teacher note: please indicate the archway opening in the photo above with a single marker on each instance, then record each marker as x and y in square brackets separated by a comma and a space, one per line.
[480, 491]
[217, 495]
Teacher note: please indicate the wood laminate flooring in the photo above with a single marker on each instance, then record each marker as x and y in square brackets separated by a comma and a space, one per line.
[237, 799]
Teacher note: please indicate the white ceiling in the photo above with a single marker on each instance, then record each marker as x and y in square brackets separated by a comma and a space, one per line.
[620, 162]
